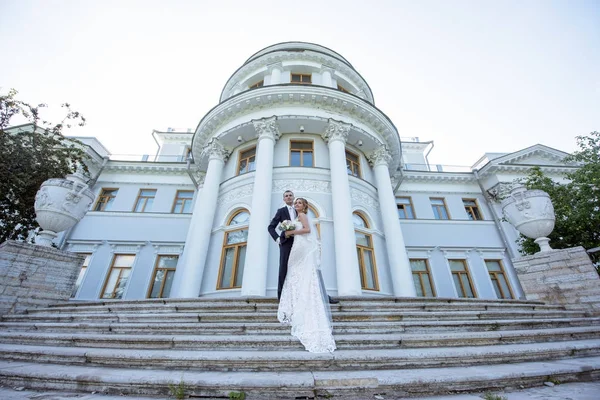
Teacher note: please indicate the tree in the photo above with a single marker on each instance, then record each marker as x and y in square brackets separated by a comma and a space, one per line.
[30, 154]
[576, 203]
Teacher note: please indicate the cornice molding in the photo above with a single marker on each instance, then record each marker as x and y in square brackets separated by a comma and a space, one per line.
[264, 61]
[146, 168]
[424, 176]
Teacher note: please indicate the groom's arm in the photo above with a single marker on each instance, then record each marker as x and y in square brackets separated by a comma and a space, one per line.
[274, 222]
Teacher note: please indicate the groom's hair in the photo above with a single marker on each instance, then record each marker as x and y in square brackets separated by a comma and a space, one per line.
[288, 191]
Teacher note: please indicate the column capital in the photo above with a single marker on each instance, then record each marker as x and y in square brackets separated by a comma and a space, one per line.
[215, 150]
[336, 130]
[381, 156]
[267, 128]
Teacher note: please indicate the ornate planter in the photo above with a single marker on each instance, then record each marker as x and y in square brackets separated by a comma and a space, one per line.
[531, 213]
[59, 205]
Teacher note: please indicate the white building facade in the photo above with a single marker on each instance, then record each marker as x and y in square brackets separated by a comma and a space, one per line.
[192, 221]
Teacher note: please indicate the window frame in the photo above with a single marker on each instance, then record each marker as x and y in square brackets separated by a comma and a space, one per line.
[108, 275]
[357, 163]
[257, 85]
[236, 247]
[440, 205]
[503, 273]
[145, 200]
[184, 199]
[421, 273]
[155, 271]
[475, 207]
[466, 272]
[82, 273]
[301, 75]
[102, 195]
[240, 159]
[410, 204]
[302, 151]
[361, 256]
[342, 89]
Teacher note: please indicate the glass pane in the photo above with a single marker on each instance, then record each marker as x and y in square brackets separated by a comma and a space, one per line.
[108, 205]
[467, 285]
[295, 78]
[358, 221]
[124, 260]
[178, 206]
[139, 206]
[227, 267]
[352, 157]
[417, 282]
[362, 239]
[402, 200]
[401, 212]
[147, 193]
[443, 213]
[493, 265]
[504, 284]
[427, 285]
[439, 202]
[239, 236]
[119, 291]
[185, 195]
[248, 153]
[242, 167]
[497, 288]
[307, 159]
[409, 212]
[160, 274]
[252, 165]
[240, 267]
[149, 203]
[112, 281]
[369, 269]
[187, 207]
[459, 290]
[240, 218]
[306, 78]
[456, 265]
[295, 159]
[469, 202]
[301, 146]
[418, 265]
[168, 283]
[167, 261]
[470, 214]
[436, 213]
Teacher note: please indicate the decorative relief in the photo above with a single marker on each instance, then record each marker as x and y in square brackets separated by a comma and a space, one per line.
[301, 185]
[267, 128]
[214, 149]
[125, 248]
[381, 156]
[363, 199]
[234, 194]
[167, 249]
[500, 191]
[336, 130]
[199, 176]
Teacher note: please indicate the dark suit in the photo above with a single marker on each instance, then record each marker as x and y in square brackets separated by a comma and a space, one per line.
[285, 245]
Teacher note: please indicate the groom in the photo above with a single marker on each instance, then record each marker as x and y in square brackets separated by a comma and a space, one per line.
[286, 212]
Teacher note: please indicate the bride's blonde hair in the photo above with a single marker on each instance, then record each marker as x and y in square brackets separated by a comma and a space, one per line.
[304, 203]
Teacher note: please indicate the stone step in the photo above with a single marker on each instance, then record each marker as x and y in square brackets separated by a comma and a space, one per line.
[300, 360]
[237, 328]
[272, 317]
[294, 384]
[263, 341]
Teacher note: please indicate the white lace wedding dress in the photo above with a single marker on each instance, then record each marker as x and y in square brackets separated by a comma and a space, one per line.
[304, 303]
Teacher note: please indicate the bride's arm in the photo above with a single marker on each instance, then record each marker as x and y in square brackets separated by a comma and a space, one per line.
[305, 227]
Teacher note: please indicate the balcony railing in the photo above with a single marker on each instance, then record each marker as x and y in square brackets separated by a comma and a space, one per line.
[436, 168]
[148, 158]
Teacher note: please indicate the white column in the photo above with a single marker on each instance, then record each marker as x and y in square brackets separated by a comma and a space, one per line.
[346, 259]
[190, 269]
[400, 270]
[254, 282]
[326, 77]
[276, 74]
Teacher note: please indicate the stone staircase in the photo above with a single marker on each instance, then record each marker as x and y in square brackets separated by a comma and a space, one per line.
[390, 346]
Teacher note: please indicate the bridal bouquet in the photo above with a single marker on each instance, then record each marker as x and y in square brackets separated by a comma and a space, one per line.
[287, 225]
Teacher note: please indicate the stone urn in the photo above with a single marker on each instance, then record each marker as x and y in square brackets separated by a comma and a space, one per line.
[531, 213]
[59, 205]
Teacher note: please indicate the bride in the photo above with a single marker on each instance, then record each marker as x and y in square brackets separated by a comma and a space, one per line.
[304, 303]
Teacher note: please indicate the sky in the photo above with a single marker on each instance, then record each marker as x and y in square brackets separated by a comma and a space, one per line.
[473, 76]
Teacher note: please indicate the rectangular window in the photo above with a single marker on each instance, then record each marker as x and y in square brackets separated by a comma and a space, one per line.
[305, 79]
[301, 154]
[81, 275]
[247, 161]
[405, 208]
[145, 200]
[472, 209]
[422, 278]
[257, 84]
[352, 164]
[233, 258]
[118, 276]
[183, 202]
[366, 261]
[461, 278]
[499, 281]
[106, 199]
[439, 208]
[340, 87]
[164, 271]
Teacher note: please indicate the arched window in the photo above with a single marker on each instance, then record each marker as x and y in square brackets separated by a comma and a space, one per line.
[233, 255]
[366, 254]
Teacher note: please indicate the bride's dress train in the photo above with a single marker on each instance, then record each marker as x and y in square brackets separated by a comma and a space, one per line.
[304, 303]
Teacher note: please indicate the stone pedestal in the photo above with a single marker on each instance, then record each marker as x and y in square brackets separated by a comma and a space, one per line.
[35, 276]
[564, 277]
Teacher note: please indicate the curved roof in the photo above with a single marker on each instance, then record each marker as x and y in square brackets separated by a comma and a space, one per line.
[298, 46]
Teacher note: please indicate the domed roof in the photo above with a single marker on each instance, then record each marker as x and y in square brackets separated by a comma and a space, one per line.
[298, 46]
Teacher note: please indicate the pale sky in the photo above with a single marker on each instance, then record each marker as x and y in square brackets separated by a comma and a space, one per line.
[473, 76]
